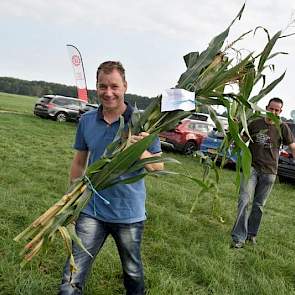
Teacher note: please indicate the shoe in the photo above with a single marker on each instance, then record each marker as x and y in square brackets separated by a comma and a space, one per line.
[252, 240]
[237, 245]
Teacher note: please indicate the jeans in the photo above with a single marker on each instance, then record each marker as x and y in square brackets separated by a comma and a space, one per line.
[93, 234]
[258, 186]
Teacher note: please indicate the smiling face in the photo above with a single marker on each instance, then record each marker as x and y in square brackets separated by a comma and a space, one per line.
[111, 88]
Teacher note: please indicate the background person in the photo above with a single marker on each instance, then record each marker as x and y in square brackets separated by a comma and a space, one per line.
[265, 154]
[124, 217]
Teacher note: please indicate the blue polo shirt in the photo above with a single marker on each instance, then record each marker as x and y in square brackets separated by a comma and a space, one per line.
[127, 201]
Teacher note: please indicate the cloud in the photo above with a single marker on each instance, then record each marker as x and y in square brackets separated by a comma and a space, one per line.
[150, 37]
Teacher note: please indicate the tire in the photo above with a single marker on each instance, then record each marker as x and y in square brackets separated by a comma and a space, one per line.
[283, 179]
[61, 117]
[190, 147]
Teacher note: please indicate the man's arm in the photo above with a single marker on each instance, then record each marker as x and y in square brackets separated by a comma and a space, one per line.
[152, 166]
[292, 148]
[79, 164]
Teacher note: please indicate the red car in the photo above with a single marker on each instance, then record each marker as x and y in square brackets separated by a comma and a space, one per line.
[187, 136]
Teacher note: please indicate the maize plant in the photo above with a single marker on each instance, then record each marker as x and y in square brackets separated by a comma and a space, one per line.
[208, 74]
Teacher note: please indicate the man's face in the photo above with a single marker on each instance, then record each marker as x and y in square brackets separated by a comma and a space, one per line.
[275, 108]
[110, 90]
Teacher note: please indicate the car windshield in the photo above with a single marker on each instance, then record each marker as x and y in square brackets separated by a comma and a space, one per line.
[45, 99]
[216, 134]
[199, 117]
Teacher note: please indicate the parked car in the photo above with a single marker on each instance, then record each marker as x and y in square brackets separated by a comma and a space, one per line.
[201, 117]
[187, 136]
[88, 107]
[207, 118]
[59, 108]
[211, 144]
[286, 167]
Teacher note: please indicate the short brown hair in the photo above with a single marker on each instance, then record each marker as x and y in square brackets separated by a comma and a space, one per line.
[108, 66]
[275, 99]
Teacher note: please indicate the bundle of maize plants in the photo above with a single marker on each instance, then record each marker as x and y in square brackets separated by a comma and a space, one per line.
[207, 75]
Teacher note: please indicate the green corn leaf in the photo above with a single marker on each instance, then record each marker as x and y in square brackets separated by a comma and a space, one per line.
[68, 243]
[217, 177]
[267, 89]
[276, 53]
[128, 180]
[171, 121]
[243, 119]
[238, 172]
[203, 86]
[246, 154]
[191, 58]
[157, 173]
[151, 111]
[266, 51]
[208, 100]
[206, 57]
[66, 237]
[80, 204]
[141, 163]
[59, 219]
[226, 76]
[214, 118]
[73, 236]
[201, 183]
[121, 162]
[203, 191]
[140, 176]
[97, 166]
[247, 82]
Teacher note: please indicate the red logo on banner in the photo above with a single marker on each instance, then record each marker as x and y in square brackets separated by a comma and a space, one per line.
[76, 60]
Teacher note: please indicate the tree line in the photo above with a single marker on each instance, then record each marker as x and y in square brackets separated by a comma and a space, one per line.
[40, 88]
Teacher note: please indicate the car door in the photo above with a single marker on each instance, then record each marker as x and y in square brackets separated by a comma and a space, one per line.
[73, 107]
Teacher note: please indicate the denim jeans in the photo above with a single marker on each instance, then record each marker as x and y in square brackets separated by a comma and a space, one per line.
[93, 234]
[258, 186]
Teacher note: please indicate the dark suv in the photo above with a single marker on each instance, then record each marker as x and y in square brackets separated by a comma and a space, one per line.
[286, 168]
[59, 108]
[88, 107]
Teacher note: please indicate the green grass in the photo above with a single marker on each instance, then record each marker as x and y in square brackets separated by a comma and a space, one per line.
[17, 103]
[183, 253]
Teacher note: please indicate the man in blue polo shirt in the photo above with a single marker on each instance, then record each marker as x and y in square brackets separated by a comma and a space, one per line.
[119, 211]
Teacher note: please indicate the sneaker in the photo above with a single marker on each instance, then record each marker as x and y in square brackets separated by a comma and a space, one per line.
[237, 245]
[252, 240]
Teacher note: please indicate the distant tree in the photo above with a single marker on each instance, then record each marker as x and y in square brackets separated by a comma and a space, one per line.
[39, 88]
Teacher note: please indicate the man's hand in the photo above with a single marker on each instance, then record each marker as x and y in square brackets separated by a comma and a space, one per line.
[79, 164]
[147, 154]
[138, 137]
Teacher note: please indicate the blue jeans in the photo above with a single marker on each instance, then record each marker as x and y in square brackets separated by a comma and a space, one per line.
[258, 186]
[93, 234]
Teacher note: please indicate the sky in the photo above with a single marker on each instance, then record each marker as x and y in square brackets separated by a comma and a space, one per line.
[150, 38]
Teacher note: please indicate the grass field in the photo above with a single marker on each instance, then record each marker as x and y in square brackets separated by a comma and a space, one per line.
[183, 253]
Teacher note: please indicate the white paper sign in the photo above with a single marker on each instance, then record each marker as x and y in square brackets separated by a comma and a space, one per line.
[178, 99]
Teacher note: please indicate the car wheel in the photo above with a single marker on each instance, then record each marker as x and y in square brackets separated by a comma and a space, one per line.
[190, 147]
[282, 179]
[61, 117]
